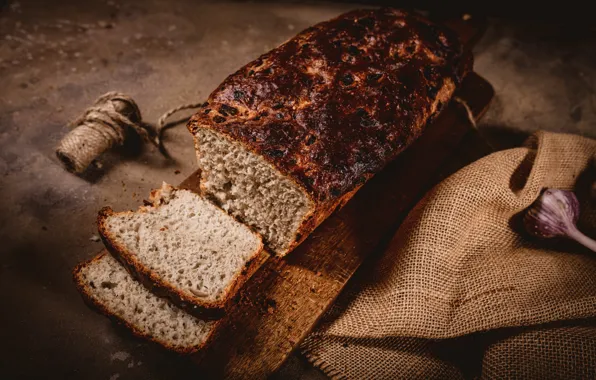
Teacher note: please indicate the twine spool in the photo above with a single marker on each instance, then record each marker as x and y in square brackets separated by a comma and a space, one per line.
[105, 124]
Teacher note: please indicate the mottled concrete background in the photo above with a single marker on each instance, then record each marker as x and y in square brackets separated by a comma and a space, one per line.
[55, 59]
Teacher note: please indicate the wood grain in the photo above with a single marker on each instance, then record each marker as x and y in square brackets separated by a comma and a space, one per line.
[284, 299]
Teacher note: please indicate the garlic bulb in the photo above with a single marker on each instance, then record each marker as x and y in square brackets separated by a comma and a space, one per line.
[555, 213]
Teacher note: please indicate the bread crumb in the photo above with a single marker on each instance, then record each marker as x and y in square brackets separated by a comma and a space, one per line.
[176, 171]
[94, 238]
[270, 305]
[105, 24]
[120, 355]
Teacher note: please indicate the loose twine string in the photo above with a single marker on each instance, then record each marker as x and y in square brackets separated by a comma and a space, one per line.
[112, 116]
[107, 123]
[468, 110]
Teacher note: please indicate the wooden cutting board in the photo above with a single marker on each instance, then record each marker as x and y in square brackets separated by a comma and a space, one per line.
[285, 298]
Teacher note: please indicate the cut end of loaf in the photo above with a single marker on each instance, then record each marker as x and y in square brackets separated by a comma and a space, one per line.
[183, 247]
[107, 286]
[251, 189]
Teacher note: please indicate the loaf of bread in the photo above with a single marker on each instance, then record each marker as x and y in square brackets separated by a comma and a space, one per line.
[107, 286]
[291, 136]
[183, 247]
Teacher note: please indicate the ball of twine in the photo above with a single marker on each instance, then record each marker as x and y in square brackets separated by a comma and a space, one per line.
[105, 124]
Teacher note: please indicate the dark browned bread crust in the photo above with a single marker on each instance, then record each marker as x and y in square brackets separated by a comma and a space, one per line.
[333, 105]
[163, 288]
[83, 288]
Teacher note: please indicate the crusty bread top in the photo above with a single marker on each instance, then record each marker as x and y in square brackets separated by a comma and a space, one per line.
[334, 104]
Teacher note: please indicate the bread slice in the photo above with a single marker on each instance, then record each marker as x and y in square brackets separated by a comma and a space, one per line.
[184, 247]
[107, 286]
[290, 137]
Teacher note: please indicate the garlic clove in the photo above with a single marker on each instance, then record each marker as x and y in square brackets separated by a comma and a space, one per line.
[555, 213]
[552, 214]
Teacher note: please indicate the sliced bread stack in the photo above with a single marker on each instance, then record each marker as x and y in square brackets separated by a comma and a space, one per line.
[175, 264]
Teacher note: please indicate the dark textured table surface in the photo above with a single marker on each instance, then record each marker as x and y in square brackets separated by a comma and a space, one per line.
[56, 59]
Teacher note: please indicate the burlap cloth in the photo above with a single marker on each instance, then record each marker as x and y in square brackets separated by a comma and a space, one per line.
[462, 293]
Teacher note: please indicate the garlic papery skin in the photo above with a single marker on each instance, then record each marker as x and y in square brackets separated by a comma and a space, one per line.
[555, 213]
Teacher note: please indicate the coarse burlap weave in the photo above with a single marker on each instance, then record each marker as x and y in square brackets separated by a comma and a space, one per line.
[461, 292]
